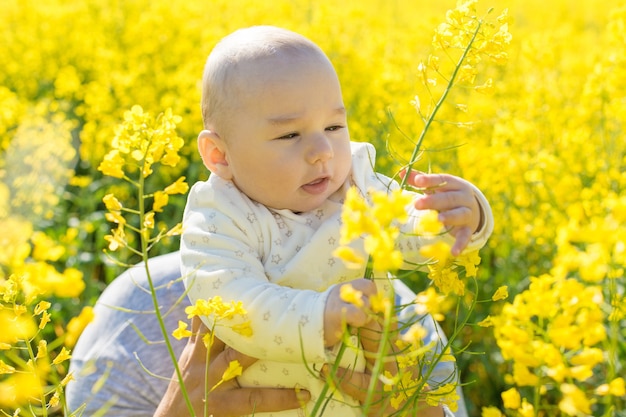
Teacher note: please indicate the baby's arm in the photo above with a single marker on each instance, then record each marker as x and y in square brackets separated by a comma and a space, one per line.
[223, 254]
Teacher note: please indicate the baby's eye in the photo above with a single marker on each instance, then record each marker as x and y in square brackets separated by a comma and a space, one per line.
[289, 136]
[334, 128]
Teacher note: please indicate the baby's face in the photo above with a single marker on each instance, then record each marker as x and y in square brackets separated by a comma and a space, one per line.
[287, 143]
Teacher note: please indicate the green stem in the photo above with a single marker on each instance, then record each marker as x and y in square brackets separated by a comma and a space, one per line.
[439, 104]
[31, 355]
[612, 348]
[381, 355]
[321, 399]
[144, 254]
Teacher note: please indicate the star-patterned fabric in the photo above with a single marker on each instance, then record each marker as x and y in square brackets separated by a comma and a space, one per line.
[280, 265]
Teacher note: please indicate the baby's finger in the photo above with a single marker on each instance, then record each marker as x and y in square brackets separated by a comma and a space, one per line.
[462, 239]
[442, 201]
[427, 181]
[456, 217]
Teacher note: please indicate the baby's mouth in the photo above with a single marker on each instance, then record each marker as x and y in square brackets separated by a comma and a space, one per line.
[317, 186]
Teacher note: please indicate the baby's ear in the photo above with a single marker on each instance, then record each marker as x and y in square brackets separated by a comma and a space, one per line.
[213, 152]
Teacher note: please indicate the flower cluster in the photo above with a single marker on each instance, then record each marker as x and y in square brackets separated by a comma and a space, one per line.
[144, 140]
[34, 169]
[32, 371]
[141, 141]
[378, 224]
[554, 334]
[407, 388]
[220, 311]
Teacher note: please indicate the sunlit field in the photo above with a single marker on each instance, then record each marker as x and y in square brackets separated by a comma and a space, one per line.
[541, 133]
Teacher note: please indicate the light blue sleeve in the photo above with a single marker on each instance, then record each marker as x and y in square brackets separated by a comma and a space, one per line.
[111, 360]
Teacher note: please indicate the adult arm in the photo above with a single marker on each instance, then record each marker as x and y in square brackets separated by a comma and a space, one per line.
[228, 399]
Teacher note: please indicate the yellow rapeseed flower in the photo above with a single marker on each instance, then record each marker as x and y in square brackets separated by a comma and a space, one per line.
[431, 302]
[115, 217]
[380, 303]
[527, 409]
[117, 239]
[15, 327]
[378, 223]
[438, 251]
[444, 394]
[6, 369]
[112, 164]
[54, 400]
[42, 349]
[501, 293]
[63, 355]
[45, 319]
[111, 203]
[244, 329]
[486, 322]
[41, 307]
[428, 224]
[176, 230]
[234, 370]
[350, 257]
[348, 294]
[160, 200]
[415, 334]
[45, 248]
[69, 377]
[446, 279]
[490, 412]
[148, 220]
[77, 324]
[178, 187]
[588, 356]
[217, 307]
[616, 387]
[469, 261]
[181, 331]
[511, 399]
[574, 401]
[19, 388]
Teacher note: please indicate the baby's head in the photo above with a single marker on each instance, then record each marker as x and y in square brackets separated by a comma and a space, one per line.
[274, 118]
[227, 72]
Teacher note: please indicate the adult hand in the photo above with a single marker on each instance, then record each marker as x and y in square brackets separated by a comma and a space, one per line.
[454, 199]
[228, 399]
[356, 384]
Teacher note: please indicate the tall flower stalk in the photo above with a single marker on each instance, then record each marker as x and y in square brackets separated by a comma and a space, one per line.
[475, 39]
[142, 141]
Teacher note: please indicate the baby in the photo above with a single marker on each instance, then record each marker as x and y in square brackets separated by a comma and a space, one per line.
[262, 229]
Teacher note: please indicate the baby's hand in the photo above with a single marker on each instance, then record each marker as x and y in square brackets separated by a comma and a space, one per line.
[339, 312]
[454, 199]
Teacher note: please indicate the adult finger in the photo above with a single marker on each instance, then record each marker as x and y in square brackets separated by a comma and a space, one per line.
[379, 346]
[244, 401]
[350, 382]
[357, 385]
